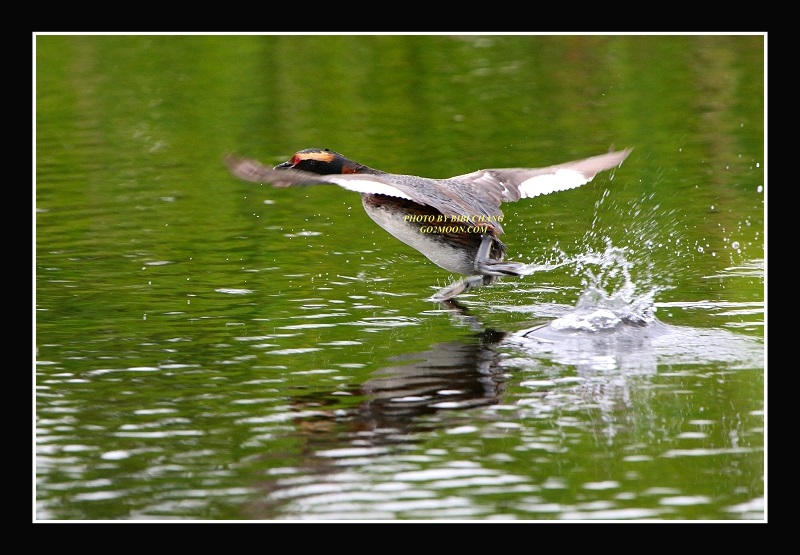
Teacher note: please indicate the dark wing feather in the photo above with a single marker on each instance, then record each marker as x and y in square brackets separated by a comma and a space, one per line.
[422, 190]
[252, 170]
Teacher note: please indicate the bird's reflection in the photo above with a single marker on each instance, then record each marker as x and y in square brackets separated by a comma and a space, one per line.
[450, 375]
[397, 403]
[587, 364]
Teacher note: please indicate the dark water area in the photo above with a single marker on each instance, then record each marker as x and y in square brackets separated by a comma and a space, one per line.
[210, 349]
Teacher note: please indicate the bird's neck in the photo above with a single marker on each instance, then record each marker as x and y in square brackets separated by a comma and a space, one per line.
[355, 167]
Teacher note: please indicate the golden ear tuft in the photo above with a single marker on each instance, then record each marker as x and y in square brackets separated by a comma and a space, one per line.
[322, 156]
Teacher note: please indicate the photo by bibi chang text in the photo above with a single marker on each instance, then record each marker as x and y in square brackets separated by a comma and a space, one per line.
[440, 223]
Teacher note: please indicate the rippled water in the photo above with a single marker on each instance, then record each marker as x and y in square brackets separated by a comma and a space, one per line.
[208, 349]
[625, 368]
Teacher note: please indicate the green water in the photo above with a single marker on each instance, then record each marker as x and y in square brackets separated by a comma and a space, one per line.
[211, 349]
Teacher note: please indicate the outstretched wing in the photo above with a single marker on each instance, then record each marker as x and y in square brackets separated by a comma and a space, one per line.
[511, 184]
[252, 170]
[478, 193]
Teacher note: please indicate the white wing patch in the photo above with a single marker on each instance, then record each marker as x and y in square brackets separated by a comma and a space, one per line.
[365, 185]
[548, 183]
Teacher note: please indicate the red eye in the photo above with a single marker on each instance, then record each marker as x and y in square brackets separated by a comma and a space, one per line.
[295, 160]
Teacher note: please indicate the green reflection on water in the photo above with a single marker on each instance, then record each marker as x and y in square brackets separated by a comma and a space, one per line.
[150, 256]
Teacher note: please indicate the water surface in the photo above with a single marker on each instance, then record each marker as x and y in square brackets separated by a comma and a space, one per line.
[209, 349]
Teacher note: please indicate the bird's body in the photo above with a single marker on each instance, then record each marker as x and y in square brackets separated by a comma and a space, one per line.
[454, 222]
[446, 242]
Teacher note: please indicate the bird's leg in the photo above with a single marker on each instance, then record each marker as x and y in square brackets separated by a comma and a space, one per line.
[490, 267]
[487, 270]
[461, 286]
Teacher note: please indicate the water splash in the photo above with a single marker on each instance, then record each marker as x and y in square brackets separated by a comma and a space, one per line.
[611, 296]
[562, 259]
[618, 287]
[622, 277]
